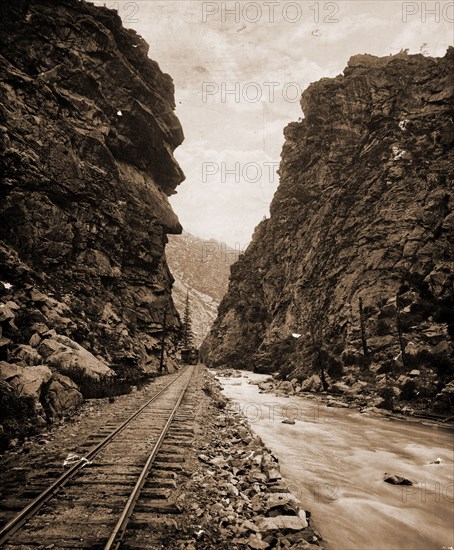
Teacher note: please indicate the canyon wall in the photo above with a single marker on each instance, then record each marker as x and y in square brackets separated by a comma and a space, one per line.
[201, 269]
[350, 280]
[87, 133]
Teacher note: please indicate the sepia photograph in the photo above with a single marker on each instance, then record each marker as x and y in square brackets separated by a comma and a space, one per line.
[226, 275]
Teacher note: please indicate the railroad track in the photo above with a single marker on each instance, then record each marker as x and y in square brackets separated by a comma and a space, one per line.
[108, 497]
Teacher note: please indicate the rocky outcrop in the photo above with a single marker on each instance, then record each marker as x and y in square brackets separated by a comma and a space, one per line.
[201, 270]
[351, 277]
[87, 133]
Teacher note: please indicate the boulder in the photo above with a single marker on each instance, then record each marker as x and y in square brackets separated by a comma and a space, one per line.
[25, 381]
[444, 400]
[27, 354]
[6, 313]
[40, 328]
[340, 387]
[377, 343]
[397, 480]
[170, 364]
[449, 388]
[68, 357]
[381, 380]
[281, 504]
[265, 386]
[403, 379]
[286, 386]
[62, 396]
[4, 342]
[441, 347]
[8, 371]
[35, 340]
[281, 523]
[313, 383]
[358, 386]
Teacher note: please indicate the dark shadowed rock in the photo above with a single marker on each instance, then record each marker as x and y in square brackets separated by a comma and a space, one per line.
[397, 480]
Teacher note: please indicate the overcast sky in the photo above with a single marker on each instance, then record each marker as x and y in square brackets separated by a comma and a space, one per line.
[239, 68]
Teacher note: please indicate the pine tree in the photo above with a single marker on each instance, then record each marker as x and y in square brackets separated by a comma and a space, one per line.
[187, 335]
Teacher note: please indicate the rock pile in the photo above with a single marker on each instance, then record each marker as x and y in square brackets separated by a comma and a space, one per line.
[357, 394]
[243, 501]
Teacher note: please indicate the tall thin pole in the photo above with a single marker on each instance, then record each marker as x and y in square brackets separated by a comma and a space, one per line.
[163, 338]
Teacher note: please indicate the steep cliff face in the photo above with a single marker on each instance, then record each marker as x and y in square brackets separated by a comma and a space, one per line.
[87, 133]
[356, 256]
[201, 269]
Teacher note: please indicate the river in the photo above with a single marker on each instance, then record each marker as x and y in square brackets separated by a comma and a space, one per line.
[334, 460]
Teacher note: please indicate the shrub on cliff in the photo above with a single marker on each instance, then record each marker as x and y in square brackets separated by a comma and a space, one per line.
[442, 363]
[387, 394]
[107, 386]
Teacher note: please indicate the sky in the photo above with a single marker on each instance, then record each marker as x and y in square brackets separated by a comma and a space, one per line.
[239, 68]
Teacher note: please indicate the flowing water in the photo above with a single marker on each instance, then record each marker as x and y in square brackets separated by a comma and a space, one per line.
[334, 460]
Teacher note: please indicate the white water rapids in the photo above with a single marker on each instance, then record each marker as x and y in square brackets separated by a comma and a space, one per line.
[334, 460]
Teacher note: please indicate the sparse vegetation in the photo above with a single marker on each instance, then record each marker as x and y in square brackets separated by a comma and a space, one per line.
[387, 394]
[408, 391]
[387, 366]
[107, 386]
[17, 416]
[382, 328]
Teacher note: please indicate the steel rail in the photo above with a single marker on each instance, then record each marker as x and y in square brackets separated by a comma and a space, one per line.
[37, 503]
[122, 523]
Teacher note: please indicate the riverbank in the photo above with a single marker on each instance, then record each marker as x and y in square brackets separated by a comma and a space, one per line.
[335, 459]
[364, 404]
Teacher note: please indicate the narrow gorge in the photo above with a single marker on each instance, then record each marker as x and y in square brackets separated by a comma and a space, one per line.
[182, 389]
